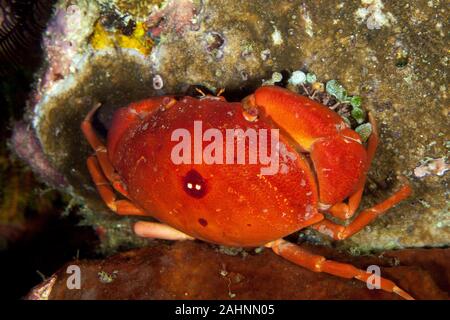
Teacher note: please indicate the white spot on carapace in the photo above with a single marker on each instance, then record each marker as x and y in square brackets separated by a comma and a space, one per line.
[285, 154]
[323, 206]
[284, 169]
[309, 212]
[350, 140]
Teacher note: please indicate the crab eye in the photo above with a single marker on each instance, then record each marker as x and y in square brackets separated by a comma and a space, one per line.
[194, 184]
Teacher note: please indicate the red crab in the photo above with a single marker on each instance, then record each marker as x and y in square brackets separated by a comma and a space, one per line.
[234, 204]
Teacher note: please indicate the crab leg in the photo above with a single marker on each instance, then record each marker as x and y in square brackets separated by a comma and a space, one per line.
[101, 152]
[347, 210]
[344, 210]
[158, 230]
[339, 232]
[104, 176]
[318, 263]
[338, 156]
[123, 207]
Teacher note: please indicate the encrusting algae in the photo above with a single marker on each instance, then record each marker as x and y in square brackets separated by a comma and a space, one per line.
[105, 39]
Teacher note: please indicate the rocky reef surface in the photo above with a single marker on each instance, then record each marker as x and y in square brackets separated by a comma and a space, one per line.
[193, 270]
[391, 54]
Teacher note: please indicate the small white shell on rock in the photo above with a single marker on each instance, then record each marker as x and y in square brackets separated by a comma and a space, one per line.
[158, 82]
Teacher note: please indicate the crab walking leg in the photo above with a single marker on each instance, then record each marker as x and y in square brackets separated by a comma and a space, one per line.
[317, 263]
[343, 210]
[123, 207]
[158, 230]
[339, 232]
[101, 152]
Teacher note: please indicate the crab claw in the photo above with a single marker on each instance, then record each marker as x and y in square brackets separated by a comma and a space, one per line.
[338, 156]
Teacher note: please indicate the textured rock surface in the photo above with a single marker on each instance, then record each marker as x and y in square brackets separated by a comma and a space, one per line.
[193, 270]
[393, 56]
